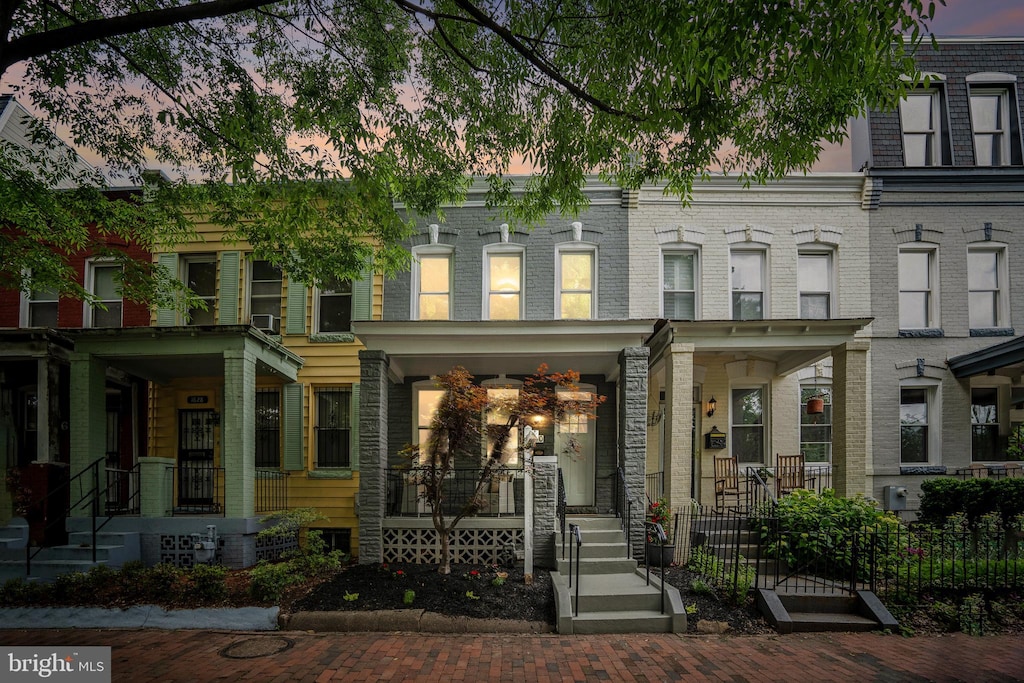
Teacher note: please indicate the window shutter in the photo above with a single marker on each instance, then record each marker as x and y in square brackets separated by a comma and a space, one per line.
[294, 453]
[229, 266]
[167, 317]
[354, 429]
[296, 323]
[362, 295]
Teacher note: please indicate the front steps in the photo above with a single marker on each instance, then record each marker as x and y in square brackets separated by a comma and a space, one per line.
[112, 549]
[614, 596]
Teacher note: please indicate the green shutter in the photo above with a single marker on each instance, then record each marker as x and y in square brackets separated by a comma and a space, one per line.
[296, 323]
[167, 317]
[294, 453]
[354, 429]
[362, 295]
[229, 265]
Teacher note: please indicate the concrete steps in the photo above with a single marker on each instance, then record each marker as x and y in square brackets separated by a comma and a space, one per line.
[862, 611]
[613, 595]
[112, 549]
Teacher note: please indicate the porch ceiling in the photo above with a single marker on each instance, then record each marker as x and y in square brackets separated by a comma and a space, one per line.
[161, 354]
[423, 348]
[790, 344]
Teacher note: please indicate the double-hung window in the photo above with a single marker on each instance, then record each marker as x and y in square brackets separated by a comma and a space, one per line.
[985, 424]
[333, 427]
[41, 305]
[748, 284]
[426, 400]
[200, 274]
[104, 282]
[921, 119]
[814, 280]
[679, 285]
[915, 416]
[990, 117]
[985, 277]
[268, 428]
[432, 284]
[503, 282]
[917, 278]
[748, 424]
[265, 296]
[334, 306]
[576, 273]
[816, 429]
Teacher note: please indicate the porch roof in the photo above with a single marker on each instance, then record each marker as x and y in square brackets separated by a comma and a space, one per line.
[789, 343]
[1006, 358]
[162, 354]
[426, 347]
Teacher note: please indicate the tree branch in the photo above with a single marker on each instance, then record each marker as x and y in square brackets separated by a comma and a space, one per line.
[38, 44]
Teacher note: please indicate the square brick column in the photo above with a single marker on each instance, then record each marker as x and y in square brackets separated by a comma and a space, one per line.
[373, 453]
[88, 418]
[850, 418]
[238, 434]
[156, 487]
[679, 425]
[633, 368]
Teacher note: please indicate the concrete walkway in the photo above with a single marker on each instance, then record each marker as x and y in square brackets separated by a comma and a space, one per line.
[167, 656]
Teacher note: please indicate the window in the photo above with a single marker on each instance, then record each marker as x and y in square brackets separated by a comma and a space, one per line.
[985, 424]
[42, 308]
[426, 399]
[747, 415]
[104, 282]
[748, 285]
[814, 280]
[333, 427]
[921, 117]
[984, 284]
[504, 284]
[334, 306]
[679, 284]
[499, 399]
[990, 116]
[915, 439]
[200, 274]
[576, 274]
[265, 292]
[916, 280]
[816, 430]
[268, 428]
[432, 286]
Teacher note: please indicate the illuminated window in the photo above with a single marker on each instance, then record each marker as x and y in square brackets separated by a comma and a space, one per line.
[503, 275]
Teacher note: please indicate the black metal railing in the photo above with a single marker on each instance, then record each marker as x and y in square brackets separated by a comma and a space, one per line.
[760, 498]
[123, 495]
[577, 539]
[654, 486]
[655, 541]
[806, 562]
[271, 490]
[624, 508]
[502, 494]
[81, 492]
[716, 545]
[197, 488]
[560, 508]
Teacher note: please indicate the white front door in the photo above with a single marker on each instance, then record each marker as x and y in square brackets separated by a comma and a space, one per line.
[574, 445]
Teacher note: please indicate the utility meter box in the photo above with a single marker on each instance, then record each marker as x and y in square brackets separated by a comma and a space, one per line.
[894, 498]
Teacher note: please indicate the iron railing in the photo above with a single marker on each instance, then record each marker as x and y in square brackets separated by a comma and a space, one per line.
[654, 486]
[123, 493]
[624, 508]
[197, 488]
[655, 541]
[560, 508]
[271, 490]
[502, 494]
[574, 531]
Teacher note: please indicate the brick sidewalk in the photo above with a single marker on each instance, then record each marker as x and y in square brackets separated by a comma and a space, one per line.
[153, 655]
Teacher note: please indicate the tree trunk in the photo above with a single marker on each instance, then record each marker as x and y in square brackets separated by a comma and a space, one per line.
[445, 566]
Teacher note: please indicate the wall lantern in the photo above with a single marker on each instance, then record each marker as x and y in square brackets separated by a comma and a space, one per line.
[712, 404]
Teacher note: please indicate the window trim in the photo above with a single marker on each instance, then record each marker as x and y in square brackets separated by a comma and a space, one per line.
[829, 254]
[1005, 93]
[317, 292]
[1003, 278]
[315, 423]
[433, 251]
[88, 319]
[267, 390]
[249, 267]
[25, 310]
[184, 261]
[765, 280]
[698, 262]
[576, 248]
[934, 408]
[942, 153]
[503, 250]
[816, 383]
[766, 430]
[934, 308]
[418, 388]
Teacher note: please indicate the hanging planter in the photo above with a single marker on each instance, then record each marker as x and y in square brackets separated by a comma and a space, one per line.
[815, 406]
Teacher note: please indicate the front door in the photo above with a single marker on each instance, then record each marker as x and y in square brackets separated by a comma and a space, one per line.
[574, 444]
[196, 474]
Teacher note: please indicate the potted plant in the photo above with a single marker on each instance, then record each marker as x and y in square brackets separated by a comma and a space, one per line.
[658, 553]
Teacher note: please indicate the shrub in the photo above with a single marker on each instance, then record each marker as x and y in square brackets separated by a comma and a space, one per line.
[268, 580]
[943, 498]
[732, 581]
[409, 597]
[207, 583]
[161, 583]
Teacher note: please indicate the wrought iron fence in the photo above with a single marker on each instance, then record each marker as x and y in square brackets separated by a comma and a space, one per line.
[654, 486]
[197, 488]
[271, 490]
[624, 508]
[501, 495]
[122, 491]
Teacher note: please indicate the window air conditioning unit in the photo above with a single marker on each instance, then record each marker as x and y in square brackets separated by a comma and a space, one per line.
[264, 322]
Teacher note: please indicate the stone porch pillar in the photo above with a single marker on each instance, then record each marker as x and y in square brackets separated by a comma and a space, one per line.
[88, 417]
[373, 453]
[850, 418]
[633, 367]
[238, 434]
[679, 425]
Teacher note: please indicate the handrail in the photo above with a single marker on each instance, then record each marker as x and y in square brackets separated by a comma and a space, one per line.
[655, 529]
[574, 530]
[560, 507]
[624, 500]
[91, 497]
[762, 493]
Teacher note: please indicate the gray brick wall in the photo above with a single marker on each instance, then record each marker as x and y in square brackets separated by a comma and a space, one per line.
[545, 492]
[373, 452]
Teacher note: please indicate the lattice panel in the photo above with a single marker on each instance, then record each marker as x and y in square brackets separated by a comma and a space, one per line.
[176, 549]
[271, 547]
[469, 546]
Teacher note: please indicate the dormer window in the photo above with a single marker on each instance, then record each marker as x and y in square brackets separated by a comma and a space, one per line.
[922, 118]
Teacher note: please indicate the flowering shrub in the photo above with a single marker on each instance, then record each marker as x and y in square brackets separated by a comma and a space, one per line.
[659, 512]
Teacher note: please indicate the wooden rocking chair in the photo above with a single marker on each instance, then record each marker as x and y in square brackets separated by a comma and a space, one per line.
[790, 474]
[727, 482]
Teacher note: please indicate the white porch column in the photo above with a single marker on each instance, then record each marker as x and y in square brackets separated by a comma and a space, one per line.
[679, 425]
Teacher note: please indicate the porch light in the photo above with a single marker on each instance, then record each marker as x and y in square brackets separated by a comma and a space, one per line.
[537, 420]
[712, 404]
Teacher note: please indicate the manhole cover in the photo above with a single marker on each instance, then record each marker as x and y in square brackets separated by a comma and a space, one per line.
[256, 647]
